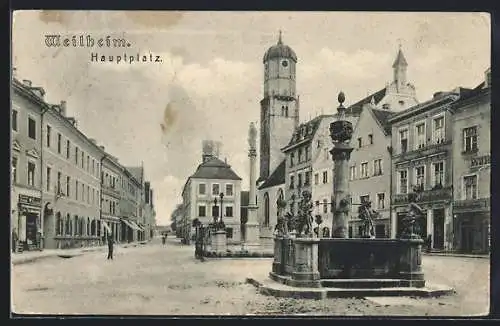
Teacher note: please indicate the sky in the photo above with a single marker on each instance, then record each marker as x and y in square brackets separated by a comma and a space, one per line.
[209, 82]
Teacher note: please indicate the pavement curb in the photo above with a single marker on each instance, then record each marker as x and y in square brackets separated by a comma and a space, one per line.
[278, 290]
[456, 255]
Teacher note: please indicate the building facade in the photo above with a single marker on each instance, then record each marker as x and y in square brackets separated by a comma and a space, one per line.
[26, 183]
[422, 163]
[213, 191]
[129, 206]
[472, 170]
[370, 170]
[71, 182]
[111, 196]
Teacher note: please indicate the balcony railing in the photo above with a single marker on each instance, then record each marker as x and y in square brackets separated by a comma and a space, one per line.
[467, 205]
[431, 195]
[423, 151]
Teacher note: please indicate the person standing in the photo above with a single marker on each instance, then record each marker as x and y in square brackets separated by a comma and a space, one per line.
[110, 246]
[15, 238]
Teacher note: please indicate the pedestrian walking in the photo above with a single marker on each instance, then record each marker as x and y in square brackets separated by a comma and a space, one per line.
[14, 240]
[163, 239]
[110, 245]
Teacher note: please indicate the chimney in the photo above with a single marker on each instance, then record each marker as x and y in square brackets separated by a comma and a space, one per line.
[27, 82]
[102, 147]
[62, 108]
[93, 140]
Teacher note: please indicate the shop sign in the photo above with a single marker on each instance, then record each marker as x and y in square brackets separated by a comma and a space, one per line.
[480, 161]
[30, 200]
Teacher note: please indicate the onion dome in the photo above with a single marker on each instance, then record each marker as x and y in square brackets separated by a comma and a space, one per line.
[281, 51]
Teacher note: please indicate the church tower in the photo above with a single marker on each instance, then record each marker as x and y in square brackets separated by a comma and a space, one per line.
[279, 108]
[399, 67]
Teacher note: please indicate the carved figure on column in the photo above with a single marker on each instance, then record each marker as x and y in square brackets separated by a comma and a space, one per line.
[341, 132]
[367, 214]
[414, 212]
[305, 219]
[281, 228]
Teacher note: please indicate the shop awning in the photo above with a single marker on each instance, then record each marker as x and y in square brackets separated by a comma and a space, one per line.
[107, 227]
[131, 225]
[137, 227]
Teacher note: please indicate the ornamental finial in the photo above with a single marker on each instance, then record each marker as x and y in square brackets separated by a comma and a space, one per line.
[280, 41]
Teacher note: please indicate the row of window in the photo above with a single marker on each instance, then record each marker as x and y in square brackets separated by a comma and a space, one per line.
[202, 189]
[109, 206]
[324, 178]
[437, 177]
[306, 181]
[79, 226]
[63, 186]
[202, 210]
[31, 171]
[303, 155]
[438, 134]
[370, 141]
[377, 169]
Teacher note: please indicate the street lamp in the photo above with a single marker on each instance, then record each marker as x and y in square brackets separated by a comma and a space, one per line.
[221, 201]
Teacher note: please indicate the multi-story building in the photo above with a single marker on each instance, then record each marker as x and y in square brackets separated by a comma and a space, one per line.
[370, 169]
[111, 196]
[422, 163]
[472, 169]
[214, 190]
[71, 182]
[129, 206]
[26, 193]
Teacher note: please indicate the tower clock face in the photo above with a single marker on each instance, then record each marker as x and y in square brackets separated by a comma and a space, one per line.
[284, 63]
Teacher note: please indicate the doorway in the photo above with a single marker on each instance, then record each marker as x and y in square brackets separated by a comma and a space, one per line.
[31, 230]
[438, 234]
[467, 238]
[380, 231]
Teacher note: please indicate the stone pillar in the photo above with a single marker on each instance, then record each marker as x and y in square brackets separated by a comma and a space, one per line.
[305, 273]
[430, 226]
[410, 263]
[220, 242]
[278, 256]
[341, 134]
[252, 233]
[394, 224]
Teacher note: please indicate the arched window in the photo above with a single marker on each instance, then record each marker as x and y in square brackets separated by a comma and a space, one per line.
[266, 209]
[286, 111]
[75, 219]
[282, 110]
[88, 226]
[58, 223]
[92, 227]
[82, 226]
[68, 225]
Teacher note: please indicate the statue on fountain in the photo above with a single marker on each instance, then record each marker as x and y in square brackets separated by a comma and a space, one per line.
[367, 214]
[305, 219]
[414, 211]
[281, 226]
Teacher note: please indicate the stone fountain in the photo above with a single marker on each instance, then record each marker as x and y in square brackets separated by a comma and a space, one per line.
[339, 266]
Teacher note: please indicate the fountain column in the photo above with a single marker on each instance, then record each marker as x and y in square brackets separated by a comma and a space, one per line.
[341, 133]
[252, 224]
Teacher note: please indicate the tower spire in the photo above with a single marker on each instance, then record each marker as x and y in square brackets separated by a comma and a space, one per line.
[280, 41]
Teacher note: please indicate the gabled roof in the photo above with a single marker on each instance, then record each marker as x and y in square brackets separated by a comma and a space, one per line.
[382, 117]
[276, 178]
[215, 169]
[357, 107]
[306, 131]
[467, 94]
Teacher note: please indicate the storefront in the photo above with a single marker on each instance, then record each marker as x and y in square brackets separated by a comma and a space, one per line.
[472, 225]
[28, 223]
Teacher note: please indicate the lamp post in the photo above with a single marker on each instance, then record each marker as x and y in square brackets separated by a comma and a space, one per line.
[221, 201]
[215, 215]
